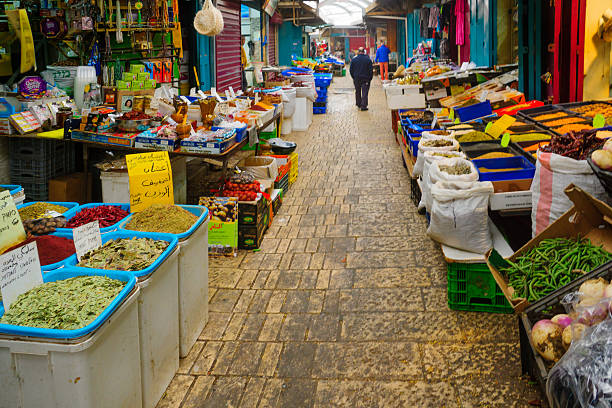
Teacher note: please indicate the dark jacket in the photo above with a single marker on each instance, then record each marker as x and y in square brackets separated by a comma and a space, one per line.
[361, 67]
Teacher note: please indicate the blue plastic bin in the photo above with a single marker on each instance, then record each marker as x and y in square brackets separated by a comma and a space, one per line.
[322, 99]
[172, 239]
[323, 80]
[72, 212]
[68, 204]
[475, 111]
[12, 188]
[66, 273]
[59, 264]
[319, 110]
[413, 143]
[198, 210]
[240, 132]
[527, 169]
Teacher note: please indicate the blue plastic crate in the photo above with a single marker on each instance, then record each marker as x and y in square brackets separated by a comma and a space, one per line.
[12, 188]
[322, 99]
[198, 210]
[240, 132]
[527, 169]
[475, 111]
[323, 80]
[57, 265]
[319, 110]
[321, 92]
[413, 143]
[73, 211]
[66, 273]
[172, 244]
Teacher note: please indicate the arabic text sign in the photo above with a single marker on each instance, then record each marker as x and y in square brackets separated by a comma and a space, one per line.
[11, 227]
[19, 272]
[150, 180]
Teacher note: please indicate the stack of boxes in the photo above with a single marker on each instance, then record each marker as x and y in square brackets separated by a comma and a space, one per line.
[253, 221]
[138, 78]
[322, 82]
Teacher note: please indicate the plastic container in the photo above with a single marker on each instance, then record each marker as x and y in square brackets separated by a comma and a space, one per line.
[100, 367]
[158, 315]
[12, 188]
[323, 80]
[192, 278]
[19, 197]
[115, 186]
[475, 111]
[73, 211]
[527, 169]
[471, 287]
[241, 133]
[68, 204]
[60, 264]
[319, 110]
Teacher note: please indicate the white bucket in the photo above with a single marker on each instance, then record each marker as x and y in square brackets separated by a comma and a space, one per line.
[98, 371]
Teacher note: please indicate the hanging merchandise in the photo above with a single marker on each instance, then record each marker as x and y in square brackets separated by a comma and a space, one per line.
[119, 32]
[20, 24]
[208, 21]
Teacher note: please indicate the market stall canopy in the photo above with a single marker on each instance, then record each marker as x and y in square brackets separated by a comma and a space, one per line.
[393, 7]
[300, 12]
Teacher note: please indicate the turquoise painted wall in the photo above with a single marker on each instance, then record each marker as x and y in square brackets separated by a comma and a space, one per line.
[289, 42]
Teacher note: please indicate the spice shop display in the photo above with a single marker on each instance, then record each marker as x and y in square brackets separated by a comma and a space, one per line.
[64, 304]
[162, 218]
[575, 145]
[106, 215]
[124, 254]
[51, 248]
[40, 210]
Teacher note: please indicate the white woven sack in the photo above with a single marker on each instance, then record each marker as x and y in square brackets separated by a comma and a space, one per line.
[430, 157]
[428, 135]
[205, 19]
[435, 174]
[219, 24]
[418, 166]
[459, 215]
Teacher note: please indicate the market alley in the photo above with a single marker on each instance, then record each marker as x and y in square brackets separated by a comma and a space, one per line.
[345, 303]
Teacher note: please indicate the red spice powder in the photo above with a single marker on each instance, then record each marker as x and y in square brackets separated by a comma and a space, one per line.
[51, 249]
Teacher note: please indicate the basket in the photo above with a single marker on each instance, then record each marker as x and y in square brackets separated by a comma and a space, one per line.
[471, 287]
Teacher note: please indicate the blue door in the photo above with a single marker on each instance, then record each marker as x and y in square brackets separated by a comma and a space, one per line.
[482, 32]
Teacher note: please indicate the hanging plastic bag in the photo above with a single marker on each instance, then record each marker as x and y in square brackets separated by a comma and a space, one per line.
[429, 158]
[553, 173]
[440, 144]
[459, 215]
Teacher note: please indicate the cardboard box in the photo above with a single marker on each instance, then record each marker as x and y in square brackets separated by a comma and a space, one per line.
[137, 85]
[150, 84]
[136, 68]
[588, 218]
[127, 77]
[250, 236]
[222, 230]
[251, 213]
[71, 187]
[142, 76]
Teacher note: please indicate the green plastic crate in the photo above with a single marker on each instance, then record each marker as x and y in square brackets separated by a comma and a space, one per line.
[267, 135]
[471, 287]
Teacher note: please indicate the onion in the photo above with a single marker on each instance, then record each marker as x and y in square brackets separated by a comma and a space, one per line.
[571, 333]
[608, 291]
[603, 159]
[562, 320]
[608, 145]
[546, 336]
[593, 288]
[591, 311]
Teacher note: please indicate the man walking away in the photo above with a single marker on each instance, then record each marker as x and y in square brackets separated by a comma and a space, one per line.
[382, 57]
[361, 72]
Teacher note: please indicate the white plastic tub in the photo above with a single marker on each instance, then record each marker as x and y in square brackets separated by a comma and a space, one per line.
[158, 329]
[98, 371]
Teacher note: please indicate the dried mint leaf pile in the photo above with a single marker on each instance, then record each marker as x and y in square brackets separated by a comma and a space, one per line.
[124, 254]
[171, 219]
[65, 304]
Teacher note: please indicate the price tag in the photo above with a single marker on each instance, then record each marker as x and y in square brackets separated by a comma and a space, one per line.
[11, 227]
[599, 121]
[86, 238]
[451, 115]
[499, 126]
[435, 120]
[150, 180]
[505, 140]
[19, 272]
[213, 92]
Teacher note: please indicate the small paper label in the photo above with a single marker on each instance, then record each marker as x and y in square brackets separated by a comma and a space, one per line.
[435, 120]
[505, 140]
[19, 272]
[499, 126]
[599, 121]
[86, 238]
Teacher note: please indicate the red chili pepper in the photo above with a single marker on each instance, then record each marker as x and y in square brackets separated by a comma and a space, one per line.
[106, 215]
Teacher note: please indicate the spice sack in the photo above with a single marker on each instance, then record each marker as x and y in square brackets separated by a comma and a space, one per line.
[429, 158]
[435, 144]
[553, 173]
[459, 215]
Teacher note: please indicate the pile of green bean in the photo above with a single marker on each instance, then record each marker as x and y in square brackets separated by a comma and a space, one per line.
[551, 265]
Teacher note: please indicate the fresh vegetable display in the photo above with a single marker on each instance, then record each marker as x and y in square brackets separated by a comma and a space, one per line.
[575, 145]
[162, 218]
[603, 157]
[65, 304]
[552, 264]
[51, 249]
[106, 215]
[124, 254]
[591, 305]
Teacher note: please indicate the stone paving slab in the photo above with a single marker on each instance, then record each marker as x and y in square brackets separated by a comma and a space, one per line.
[345, 303]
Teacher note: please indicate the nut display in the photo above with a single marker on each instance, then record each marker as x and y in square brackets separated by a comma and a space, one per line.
[223, 209]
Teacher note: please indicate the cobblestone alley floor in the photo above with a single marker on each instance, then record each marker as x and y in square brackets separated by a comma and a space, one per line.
[345, 304]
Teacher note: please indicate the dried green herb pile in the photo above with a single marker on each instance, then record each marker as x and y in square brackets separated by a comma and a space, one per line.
[124, 254]
[39, 210]
[65, 304]
[171, 219]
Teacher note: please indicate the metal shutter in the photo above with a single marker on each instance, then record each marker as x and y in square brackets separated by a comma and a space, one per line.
[272, 44]
[227, 47]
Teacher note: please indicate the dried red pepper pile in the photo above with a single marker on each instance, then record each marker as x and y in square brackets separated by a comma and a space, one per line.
[135, 115]
[575, 145]
[106, 215]
[51, 249]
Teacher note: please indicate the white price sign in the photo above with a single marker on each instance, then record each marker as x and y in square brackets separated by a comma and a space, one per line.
[86, 238]
[19, 272]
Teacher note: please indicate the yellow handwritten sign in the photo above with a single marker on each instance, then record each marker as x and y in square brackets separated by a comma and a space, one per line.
[150, 180]
[499, 126]
[11, 227]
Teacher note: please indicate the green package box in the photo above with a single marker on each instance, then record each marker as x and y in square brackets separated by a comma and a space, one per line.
[127, 76]
[143, 76]
[150, 84]
[137, 68]
[137, 85]
[124, 85]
